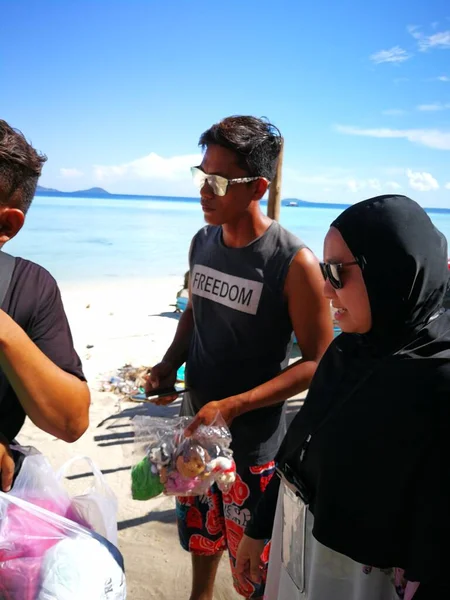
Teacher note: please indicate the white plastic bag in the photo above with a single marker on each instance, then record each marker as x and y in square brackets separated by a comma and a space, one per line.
[38, 483]
[44, 556]
[97, 506]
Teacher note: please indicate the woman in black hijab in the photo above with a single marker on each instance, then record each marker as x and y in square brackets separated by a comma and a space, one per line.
[364, 472]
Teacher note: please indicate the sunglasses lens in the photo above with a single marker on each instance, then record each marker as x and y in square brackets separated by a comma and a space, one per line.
[332, 273]
[218, 184]
[198, 177]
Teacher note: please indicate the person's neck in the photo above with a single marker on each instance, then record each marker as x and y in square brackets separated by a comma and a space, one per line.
[249, 227]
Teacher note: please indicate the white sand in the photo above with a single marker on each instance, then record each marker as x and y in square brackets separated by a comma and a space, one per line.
[127, 322]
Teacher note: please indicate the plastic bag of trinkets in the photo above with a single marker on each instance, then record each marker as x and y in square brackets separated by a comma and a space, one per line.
[169, 462]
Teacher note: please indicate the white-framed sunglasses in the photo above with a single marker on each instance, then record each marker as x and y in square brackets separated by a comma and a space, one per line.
[218, 184]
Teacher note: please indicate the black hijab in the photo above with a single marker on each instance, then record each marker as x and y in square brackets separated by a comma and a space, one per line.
[405, 264]
[377, 467]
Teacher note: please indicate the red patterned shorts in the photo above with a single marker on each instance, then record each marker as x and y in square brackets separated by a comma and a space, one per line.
[216, 522]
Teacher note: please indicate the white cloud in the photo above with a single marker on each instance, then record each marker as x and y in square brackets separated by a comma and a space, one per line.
[374, 184]
[432, 138]
[149, 167]
[447, 185]
[444, 78]
[422, 181]
[394, 112]
[70, 173]
[393, 55]
[435, 106]
[393, 185]
[439, 40]
[336, 180]
[354, 185]
[414, 30]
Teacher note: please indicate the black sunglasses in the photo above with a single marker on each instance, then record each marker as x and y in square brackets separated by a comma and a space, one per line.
[332, 271]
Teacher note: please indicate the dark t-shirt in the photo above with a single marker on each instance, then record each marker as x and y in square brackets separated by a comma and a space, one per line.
[34, 302]
[243, 331]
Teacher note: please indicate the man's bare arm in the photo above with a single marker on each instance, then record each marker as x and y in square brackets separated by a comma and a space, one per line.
[310, 315]
[311, 319]
[164, 374]
[57, 402]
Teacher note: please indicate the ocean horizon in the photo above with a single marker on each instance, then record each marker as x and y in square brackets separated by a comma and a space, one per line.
[105, 195]
[87, 239]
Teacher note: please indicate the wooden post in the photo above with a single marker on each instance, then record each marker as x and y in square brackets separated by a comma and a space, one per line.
[274, 203]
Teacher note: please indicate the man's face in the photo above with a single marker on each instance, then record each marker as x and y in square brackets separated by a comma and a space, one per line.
[220, 210]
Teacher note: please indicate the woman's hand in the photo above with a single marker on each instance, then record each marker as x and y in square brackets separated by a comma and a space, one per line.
[248, 559]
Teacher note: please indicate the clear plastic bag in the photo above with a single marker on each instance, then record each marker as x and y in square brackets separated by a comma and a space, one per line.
[173, 464]
[97, 506]
[38, 483]
[44, 556]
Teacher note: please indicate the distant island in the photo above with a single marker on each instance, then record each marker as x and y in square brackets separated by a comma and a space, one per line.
[98, 192]
[95, 191]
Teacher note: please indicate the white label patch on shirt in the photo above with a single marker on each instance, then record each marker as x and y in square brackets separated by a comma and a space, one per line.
[235, 292]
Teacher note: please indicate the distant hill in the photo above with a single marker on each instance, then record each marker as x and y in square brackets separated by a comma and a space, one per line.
[95, 191]
[44, 190]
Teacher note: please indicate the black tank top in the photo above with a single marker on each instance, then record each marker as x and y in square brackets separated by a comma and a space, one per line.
[243, 333]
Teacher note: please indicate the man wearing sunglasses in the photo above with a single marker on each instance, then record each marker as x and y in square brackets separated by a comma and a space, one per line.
[252, 285]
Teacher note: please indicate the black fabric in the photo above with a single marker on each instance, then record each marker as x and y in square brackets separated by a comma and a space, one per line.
[261, 523]
[378, 469]
[242, 341]
[405, 270]
[34, 302]
[433, 591]
[7, 265]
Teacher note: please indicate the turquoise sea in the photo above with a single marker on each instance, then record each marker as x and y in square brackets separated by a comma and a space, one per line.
[80, 239]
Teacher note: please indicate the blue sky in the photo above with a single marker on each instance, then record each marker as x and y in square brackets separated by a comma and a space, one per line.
[116, 93]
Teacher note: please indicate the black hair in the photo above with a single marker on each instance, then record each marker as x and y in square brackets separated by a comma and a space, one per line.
[256, 142]
[20, 168]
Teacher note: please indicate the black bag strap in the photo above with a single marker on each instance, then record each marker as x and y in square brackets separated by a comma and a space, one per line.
[7, 264]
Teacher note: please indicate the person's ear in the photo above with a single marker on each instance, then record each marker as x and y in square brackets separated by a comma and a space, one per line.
[11, 222]
[260, 188]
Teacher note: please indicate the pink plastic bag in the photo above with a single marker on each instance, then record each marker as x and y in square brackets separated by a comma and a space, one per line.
[44, 556]
[48, 548]
[24, 540]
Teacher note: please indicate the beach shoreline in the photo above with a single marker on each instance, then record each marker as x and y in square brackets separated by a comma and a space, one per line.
[132, 321]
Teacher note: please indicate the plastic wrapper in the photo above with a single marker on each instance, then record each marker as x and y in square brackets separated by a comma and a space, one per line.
[97, 506]
[48, 550]
[169, 462]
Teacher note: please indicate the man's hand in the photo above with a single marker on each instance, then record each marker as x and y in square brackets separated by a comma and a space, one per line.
[248, 560]
[228, 409]
[6, 465]
[162, 375]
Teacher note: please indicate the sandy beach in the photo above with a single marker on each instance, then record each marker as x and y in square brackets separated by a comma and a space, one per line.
[113, 324]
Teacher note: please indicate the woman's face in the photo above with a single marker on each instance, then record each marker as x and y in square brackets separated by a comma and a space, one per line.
[351, 302]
